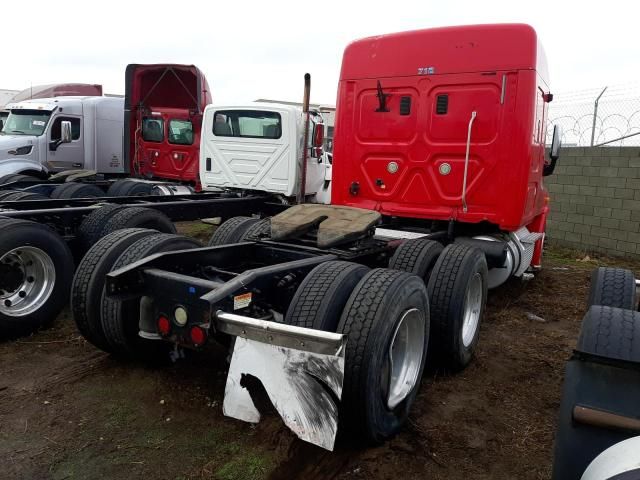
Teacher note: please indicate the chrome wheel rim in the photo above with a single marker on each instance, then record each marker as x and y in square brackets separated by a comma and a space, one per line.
[405, 356]
[472, 309]
[29, 276]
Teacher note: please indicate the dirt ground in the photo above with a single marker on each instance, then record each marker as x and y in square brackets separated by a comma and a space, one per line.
[69, 411]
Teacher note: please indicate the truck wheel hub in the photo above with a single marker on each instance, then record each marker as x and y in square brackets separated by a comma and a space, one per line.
[404, 359]
[472, 309]
[28, 279]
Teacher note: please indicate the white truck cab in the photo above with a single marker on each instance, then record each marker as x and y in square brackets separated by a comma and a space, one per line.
[259, 146]
[32, 140]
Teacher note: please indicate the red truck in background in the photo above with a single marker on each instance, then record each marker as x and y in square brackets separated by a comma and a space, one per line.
[163, 110]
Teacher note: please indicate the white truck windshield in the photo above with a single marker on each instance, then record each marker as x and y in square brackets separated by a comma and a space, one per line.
[26, 122]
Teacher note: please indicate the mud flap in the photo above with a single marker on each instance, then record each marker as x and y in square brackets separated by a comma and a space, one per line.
[303, 385]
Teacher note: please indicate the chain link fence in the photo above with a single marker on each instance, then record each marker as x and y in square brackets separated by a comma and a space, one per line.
[598, 116]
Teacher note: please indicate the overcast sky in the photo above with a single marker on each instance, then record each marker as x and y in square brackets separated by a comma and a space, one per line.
[261, 49]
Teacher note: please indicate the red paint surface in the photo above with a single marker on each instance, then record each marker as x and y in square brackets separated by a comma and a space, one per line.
[504, 184]
[172, 92]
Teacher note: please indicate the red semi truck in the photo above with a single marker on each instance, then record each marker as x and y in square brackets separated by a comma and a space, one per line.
[437, 196]
[163, 106]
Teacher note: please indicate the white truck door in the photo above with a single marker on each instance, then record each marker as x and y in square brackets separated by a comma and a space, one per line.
[65, 156]
[249, 149]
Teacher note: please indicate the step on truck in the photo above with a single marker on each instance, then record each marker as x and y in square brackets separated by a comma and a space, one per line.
[437, 195]
[251, 159]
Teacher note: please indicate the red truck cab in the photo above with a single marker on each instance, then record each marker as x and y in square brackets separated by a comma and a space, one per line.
[406, 130]
[164, 104]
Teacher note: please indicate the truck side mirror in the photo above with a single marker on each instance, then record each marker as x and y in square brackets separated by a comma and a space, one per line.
[554, 151]
[65, 131]
[1, 125]
[65, 136]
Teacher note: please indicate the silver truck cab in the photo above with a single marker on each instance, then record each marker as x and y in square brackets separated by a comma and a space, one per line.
[32, 140]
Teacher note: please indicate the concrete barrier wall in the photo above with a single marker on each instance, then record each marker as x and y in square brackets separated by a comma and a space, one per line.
[595, 200]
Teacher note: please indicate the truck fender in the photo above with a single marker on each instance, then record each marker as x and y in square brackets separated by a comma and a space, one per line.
[13, 165]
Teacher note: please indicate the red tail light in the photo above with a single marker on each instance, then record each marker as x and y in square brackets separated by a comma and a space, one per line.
[164, 326]
[198, 336]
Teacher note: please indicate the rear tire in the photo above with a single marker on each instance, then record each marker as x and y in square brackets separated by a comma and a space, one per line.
[613, 287]
[115, 187]
[120, 317]
[138, 217]
[76, 190]
[5, 193]
[89, 281]
[90, 229]
[417, 256]
[458, 294]
[36, 268]
[132, 188]
[17, 177]
[231, 231]
[16, 196]
[386, 310]
[257, 231]
[322, 295]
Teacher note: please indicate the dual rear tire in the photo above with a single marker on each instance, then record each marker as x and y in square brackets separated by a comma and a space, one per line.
[456, 278]
[385, 315]
[109, 324]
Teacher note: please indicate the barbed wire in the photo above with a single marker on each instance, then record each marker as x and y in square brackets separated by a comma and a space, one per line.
[617, 116]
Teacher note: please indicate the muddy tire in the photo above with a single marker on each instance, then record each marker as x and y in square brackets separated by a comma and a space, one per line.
[138, 217]
[36, 268]
[17, 177]
[76, 190]
[613, 287]
[257, 231]
[120, 317]
[16, 196]
[457, 295]
[231, 231]
[417, 256]
[387, 313]
[604, 375]
[90, 230]
[89, 281]
[320, 299]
